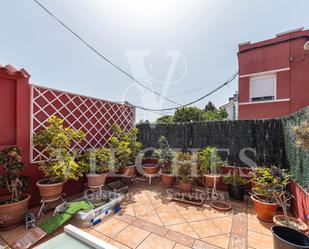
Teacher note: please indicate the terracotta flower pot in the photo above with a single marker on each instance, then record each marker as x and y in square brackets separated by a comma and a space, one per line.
[265, 211]
[12, 214]
[209, 180]
[279, 219]
[96, 181]
[186, 186]
[48, 191]
[151, 169]
[127, 170]
[167, 180]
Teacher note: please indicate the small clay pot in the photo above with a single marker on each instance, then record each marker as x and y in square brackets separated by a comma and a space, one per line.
[96, 181]
[127, 170]
[151, 169]
[186, 186]
[12, 214]
[167, 180]
[49, 191]
[264, 211]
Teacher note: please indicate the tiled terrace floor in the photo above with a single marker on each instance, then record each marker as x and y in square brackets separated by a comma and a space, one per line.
[150, 220]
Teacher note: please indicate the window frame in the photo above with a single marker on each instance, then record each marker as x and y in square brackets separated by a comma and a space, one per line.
[271, 75]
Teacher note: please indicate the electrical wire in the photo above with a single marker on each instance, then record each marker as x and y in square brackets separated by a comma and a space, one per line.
[100, 55]
[190, 103]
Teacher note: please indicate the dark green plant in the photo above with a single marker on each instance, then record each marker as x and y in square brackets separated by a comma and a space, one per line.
[235, 179]
[270, 182]
[164, 155]
[184, 165]
[10, 159]
[209, 160]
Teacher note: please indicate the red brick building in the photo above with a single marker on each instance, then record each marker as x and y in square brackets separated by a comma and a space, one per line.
[274, 76]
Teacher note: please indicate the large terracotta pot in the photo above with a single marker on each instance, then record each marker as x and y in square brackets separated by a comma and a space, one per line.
[186, 186]
[280, 219]
[49, 191]
[96, 181]
[209, 180]
[127, 170]
[12, 214]
[264, 211]
[151, 169]
[167, 180]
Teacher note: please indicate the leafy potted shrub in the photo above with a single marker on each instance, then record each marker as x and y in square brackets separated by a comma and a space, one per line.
[283, 198]
[126, 148]
[95, 163]
[269, 181]
[14, 206]
[61, 166]
[210, 163]
[165, 156]
[184, 171]
[236, 185]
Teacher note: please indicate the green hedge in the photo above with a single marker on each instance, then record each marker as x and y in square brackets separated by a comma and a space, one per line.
[297, 158]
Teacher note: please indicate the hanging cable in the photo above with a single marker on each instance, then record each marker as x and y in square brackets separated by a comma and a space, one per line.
[100, 55]
[190, 103]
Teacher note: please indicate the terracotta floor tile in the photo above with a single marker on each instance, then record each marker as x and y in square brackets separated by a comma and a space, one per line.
[117, 244]
[180, 238]
[180, 246]
[151, 227]
[220, 240]
[184, 229]
[111, 227]
[205, 228]
[128, 210]
[192, 215]
[131, 236]
[153, 218]
[204, 245]
[165, 208]
[126, 218]
[259, 241]
[224, 223]
[98, 234]
[171, 218]
[154, 241]
[259, 226]
[142, 210]
[237, 242]
[212, 213]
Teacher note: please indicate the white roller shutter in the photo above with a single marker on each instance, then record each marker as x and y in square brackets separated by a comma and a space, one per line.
[263, 86]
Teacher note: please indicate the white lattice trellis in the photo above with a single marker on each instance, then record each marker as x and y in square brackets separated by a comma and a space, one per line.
[93, 116]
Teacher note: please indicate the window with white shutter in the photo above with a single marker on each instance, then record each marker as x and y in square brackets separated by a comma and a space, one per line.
[263, 88]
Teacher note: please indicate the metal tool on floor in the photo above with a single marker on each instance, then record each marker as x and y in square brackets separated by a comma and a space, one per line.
[44, 204]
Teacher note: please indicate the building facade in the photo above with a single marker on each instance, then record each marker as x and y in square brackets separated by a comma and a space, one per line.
[231, 107]
[274, 76]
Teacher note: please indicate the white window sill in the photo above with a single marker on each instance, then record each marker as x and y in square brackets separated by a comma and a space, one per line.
[264, 102]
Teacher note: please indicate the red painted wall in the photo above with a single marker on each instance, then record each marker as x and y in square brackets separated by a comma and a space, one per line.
[16, 120]
[293, 84]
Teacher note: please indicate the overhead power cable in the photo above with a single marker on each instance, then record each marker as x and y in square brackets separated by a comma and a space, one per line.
[190, 103]
[101, 55]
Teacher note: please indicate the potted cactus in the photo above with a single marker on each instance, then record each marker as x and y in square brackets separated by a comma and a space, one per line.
[209, 163]
[14, 206]
[61, 166]
[165, 155]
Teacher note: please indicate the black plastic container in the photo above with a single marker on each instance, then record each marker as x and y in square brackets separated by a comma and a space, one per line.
[288, 238]
[236, 193]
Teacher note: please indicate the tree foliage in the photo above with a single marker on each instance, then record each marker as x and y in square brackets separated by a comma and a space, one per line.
[188, 114]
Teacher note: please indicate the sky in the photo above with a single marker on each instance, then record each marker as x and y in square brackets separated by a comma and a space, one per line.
[181, 49]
